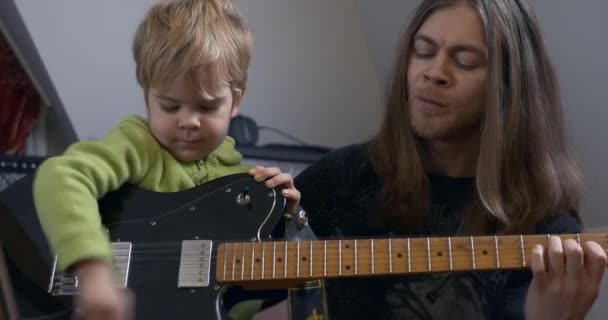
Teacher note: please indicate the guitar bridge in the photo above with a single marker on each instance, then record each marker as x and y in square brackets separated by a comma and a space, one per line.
[66, 283]
[195, 264]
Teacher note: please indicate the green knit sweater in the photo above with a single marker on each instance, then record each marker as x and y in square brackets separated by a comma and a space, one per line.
[67, 187]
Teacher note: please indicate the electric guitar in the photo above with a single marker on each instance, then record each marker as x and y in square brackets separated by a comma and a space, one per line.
[165, 244]
[181, 253]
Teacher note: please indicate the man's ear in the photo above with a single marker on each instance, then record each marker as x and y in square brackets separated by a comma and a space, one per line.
[237, 99]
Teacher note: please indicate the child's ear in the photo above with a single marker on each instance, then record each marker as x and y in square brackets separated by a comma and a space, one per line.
[147, 102]
[238, 98]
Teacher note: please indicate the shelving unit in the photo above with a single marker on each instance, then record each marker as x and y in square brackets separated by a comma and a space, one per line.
[53, 131]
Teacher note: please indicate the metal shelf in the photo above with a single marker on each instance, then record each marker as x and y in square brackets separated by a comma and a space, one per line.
[16, 34]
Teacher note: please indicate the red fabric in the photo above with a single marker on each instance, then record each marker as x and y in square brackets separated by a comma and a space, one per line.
[19, 102]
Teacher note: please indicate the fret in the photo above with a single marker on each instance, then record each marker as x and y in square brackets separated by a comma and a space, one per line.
[243, 260]
[473, 253]
[356, 258]
[450, 253]
[372, 255]
[285, 261]
[390, 256]
[274, 258]
[263, 257]
[497, 252]
[523, 250]
[340, 257]
[298, 261]
[409, 256]
[310, 248]
[252, 259]
[428, 253]
[225, 254]
[324, 257]
[233, 259]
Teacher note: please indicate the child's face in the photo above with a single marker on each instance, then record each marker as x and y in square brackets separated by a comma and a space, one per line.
[188, 125]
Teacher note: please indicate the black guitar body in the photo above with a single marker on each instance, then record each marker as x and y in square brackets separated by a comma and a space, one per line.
[231, 208]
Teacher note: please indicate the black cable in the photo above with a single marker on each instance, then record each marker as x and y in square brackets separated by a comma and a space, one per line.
[283, 133]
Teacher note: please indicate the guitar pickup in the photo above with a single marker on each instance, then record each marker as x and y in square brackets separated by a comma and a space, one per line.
[195, 263]
[66, 284]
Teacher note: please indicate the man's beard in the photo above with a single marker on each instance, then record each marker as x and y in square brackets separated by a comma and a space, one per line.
[434, 127]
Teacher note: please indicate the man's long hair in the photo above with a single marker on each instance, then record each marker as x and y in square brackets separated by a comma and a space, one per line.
[526, 171]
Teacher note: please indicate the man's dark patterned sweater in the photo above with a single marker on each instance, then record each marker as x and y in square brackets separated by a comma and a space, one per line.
[340, 191]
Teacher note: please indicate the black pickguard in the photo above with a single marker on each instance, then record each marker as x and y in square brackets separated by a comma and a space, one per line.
[155, 223]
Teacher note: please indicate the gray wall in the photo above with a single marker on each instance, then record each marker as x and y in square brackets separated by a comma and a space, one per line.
[576, 36]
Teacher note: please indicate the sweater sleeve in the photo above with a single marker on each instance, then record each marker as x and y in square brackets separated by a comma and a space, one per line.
[66, 189]
[326, 187]
[512, 304]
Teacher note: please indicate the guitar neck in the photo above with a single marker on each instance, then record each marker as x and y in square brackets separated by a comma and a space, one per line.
[320, 259]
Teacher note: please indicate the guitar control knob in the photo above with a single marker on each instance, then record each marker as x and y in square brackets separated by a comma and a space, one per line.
[301, 218]
[243, 198]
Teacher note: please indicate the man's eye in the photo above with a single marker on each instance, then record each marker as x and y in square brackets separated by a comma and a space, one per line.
[423, 55]
[465, 66]
[423, 52]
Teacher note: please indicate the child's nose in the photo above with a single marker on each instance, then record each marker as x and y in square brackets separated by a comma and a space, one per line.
[190, 122]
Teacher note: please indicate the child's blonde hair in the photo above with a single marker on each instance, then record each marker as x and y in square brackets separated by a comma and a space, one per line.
[178, 37]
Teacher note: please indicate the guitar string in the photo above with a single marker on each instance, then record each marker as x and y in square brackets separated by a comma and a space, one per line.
[170, 273]
[150, 247]
[420, 255]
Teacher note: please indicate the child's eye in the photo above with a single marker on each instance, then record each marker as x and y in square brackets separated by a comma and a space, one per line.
[170, 108]
[208, 108]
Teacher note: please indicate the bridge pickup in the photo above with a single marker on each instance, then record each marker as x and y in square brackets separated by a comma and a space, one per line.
[195, 264]
[66, 284]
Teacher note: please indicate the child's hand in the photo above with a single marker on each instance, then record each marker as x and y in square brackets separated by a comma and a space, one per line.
[99, 297]
[274, 177]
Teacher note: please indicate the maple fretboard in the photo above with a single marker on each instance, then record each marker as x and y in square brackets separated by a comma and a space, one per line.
[320, 259]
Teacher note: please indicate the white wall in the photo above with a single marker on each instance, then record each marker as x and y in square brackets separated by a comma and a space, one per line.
[310, 75]
[85, 46]
[575, 33]
[382, 22]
